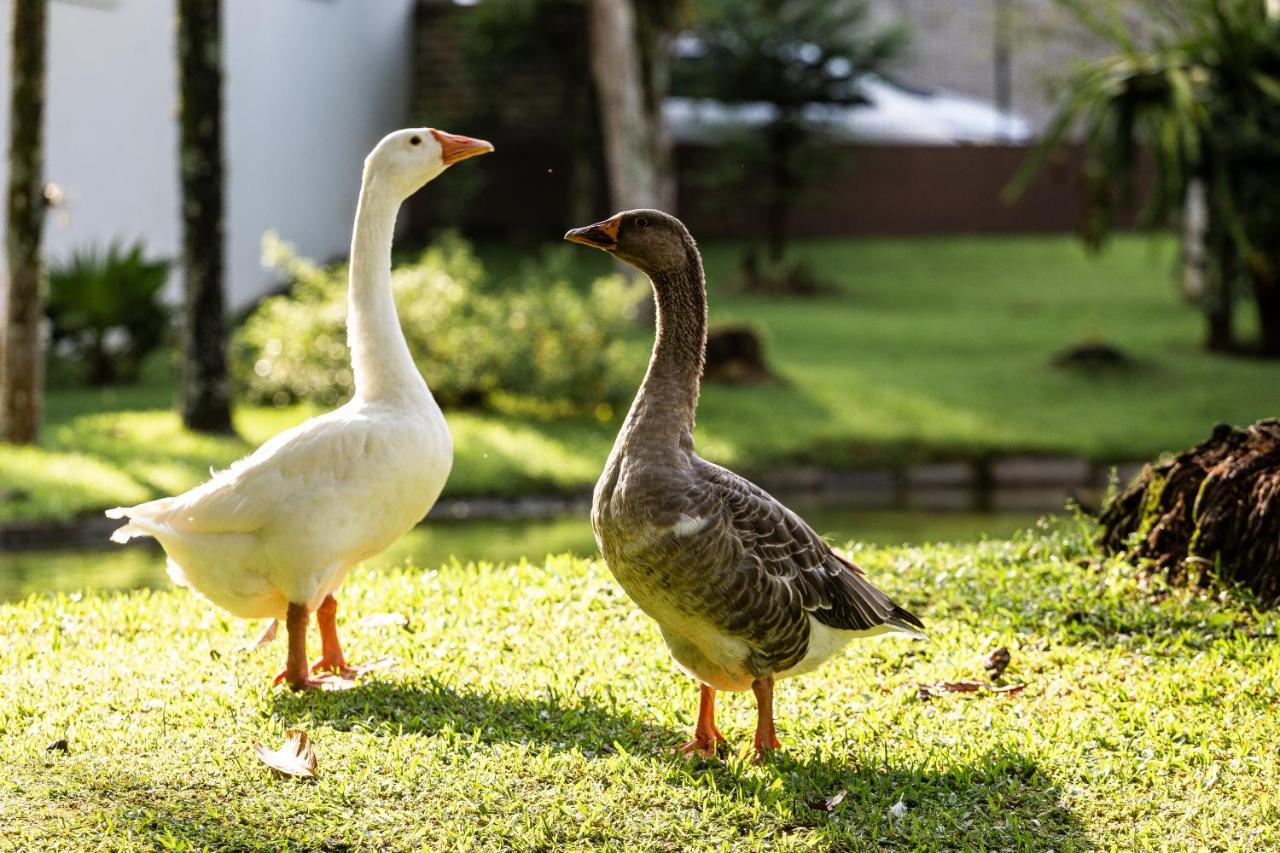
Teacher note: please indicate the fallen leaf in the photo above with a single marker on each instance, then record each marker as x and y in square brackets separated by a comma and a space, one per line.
[332, 682]
[383, 620]
[384, 662]
[997, 662]
[268, 634]
[828, 804]
[941, 688]
[59, 745]
[1011, 689]
[295, 757]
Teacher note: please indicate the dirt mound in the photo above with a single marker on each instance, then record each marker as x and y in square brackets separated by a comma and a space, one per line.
[1211, 512]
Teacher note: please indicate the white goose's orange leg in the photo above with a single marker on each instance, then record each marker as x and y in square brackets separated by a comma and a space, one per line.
[766, 735]
[706, 737]
[295, 670]
[331, 657]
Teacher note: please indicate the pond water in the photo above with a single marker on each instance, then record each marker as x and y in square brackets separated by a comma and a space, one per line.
[438, 542]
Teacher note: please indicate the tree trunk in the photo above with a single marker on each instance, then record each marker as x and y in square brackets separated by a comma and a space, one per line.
[1266, 294]
[1221, 270]
[1195, 213]
[206, 388]
[21, 358]
[102, 367]
[1219, 308]
[782, 183]
[628, 137]
[653, 38]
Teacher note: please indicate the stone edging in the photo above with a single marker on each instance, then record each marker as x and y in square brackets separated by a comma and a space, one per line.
[1009, 484]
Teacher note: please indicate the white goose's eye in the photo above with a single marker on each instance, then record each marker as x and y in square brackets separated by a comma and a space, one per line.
[641, 222]
[415, 140]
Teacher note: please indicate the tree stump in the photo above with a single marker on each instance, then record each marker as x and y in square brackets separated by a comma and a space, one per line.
[1213, 512]
[735, 355]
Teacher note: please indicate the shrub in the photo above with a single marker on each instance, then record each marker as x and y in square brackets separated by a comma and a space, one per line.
[105, 311]
[534, 343]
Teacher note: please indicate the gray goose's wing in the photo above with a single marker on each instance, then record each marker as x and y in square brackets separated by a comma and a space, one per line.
[776, 571]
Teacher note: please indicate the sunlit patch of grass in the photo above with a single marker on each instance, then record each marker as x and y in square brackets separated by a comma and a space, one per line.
[928, 349]
[38, 483]
[532, 703]
[503, 454]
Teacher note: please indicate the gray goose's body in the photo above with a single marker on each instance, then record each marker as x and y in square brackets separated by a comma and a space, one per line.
[743, 590]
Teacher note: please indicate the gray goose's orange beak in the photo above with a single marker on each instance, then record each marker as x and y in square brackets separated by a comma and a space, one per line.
[602, 235]
[455, 148]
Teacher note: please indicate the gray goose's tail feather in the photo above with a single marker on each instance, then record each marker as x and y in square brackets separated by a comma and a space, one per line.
[906, 622]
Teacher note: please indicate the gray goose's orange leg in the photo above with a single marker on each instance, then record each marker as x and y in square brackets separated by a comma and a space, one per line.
[331, 657]
[295, 670]
[766, 735]
[706, 737]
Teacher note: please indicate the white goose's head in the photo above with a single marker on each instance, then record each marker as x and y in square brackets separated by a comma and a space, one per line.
[406, 159]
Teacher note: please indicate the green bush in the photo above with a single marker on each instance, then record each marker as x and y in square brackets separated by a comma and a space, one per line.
[534, 342]
[106, 313]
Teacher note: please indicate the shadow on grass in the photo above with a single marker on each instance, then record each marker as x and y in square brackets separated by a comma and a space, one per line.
[1000, 800]
[563, 722]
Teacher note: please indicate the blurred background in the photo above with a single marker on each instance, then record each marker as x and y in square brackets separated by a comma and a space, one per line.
[967, 261]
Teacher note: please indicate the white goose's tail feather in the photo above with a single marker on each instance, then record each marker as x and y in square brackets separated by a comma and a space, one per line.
[139, 523]
[125, 532]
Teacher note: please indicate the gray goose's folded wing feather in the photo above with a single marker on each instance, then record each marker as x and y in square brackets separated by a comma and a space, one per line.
[793, 571]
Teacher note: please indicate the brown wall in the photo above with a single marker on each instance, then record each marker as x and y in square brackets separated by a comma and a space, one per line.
[904, 190]
[865, 190]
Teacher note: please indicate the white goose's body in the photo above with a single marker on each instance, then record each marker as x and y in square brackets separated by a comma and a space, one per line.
[275, 534]
[286, 523]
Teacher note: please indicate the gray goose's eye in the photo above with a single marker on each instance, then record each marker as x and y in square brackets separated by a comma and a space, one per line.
[641, 222]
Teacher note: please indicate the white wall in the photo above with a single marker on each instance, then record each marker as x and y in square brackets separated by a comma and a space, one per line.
[310, 86]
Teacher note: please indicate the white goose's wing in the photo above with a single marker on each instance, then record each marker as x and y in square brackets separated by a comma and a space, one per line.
[298, 463]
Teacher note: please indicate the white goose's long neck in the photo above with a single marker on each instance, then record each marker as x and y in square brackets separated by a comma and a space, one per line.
[380, 358]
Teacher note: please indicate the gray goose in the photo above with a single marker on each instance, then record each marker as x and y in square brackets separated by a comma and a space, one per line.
[743, 590]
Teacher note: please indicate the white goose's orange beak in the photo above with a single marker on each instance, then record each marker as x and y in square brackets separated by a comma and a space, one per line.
[602, 235]
[455, 148]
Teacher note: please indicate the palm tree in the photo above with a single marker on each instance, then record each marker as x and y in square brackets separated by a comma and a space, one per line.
[21, 357]
[1198, 97]
[790, 54]
[206, 387]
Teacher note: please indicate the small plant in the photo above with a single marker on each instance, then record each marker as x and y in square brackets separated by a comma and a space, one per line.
[106, 311]
[535, 343]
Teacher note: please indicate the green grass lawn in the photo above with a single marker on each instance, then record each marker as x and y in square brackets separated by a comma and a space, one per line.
[931, 349]
[531, 704]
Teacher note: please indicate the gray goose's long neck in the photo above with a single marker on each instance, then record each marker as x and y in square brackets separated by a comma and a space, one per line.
[662, 415]
[380, 359]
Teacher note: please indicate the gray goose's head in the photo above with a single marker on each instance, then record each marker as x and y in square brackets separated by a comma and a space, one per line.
[653, 242]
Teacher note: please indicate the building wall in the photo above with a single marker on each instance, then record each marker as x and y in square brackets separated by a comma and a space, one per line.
[310, 86]
[898, 190]
[952, 45]
[874, 190]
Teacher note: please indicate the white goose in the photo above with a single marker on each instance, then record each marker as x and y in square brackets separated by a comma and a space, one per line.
[274, 535]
